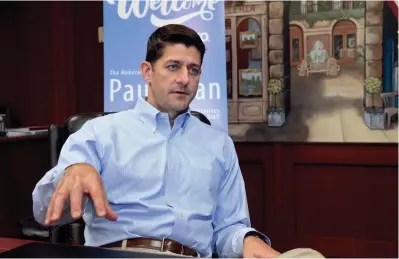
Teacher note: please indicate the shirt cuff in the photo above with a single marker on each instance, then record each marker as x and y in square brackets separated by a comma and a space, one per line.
[238, 247]
[258, 234]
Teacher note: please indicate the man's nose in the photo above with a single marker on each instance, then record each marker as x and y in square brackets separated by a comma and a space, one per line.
[183, 77]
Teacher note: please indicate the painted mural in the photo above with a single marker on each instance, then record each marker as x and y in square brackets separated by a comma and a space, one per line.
[309, 71]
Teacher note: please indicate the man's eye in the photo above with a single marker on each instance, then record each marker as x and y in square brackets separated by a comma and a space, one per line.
[172, 67]
[194, 71]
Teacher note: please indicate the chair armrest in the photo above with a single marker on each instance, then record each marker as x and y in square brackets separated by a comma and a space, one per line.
[32, 230]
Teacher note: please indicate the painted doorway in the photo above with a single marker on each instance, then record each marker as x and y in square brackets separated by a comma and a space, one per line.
[296, 45]
[344, 41]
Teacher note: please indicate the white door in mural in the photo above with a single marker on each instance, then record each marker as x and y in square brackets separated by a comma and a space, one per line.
[344, 41]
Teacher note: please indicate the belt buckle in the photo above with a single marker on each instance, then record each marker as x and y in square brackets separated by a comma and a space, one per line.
[162, 245]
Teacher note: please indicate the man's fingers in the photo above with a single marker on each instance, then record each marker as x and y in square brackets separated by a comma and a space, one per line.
[50, 208]
[97, 195]
[49, 211]
[72, 189]
[103, 209]
[76, 197]
[59, 201]
[110, 214]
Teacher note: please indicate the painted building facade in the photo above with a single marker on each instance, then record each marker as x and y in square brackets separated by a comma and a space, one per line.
[273, 48]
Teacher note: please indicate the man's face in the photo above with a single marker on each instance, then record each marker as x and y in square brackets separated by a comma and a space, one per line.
[173, 78]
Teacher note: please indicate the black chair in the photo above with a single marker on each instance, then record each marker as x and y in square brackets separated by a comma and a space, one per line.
[71, 233]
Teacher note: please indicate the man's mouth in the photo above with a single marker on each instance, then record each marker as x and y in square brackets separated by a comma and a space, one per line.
[180, 92]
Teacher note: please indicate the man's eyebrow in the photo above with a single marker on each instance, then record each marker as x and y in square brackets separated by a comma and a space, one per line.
[195, 64]
[173, 61]
[180, 62]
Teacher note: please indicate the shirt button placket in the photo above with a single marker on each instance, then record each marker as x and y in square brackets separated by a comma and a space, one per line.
[173, 190]
[172, 176]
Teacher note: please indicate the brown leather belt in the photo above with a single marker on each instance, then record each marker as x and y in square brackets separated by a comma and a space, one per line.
[162, 245]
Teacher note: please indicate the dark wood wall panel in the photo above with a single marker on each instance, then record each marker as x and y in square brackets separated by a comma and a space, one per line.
[256, 193]
[23, 162]
[355, 153]
[52, 62]
[257, 183]
[346, 196]
[339, 199]
[89, 56]
[25, 84]
[63, 58]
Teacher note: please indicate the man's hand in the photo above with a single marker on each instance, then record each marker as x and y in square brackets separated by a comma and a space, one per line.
[78, 180]
[254, 247]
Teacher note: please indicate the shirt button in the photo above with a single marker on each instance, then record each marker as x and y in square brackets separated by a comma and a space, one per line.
[154, 129]
[173, 168]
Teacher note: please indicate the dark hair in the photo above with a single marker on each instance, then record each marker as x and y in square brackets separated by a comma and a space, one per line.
[172, 34]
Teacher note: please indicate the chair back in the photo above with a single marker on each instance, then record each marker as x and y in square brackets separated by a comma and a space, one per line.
[59, 134]
[75, 122]
[201, 117]
[56, 142]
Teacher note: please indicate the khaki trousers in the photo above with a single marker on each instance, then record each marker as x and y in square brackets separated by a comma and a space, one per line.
[301, 253]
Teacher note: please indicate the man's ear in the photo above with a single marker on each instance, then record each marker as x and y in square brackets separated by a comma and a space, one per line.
[146, 71]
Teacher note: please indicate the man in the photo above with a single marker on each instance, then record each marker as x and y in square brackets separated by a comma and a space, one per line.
[155, 171]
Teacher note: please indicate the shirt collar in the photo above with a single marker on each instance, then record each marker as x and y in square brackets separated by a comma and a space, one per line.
[148, 114]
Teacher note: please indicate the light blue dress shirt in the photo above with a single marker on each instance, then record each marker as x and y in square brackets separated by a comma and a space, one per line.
[182, 183]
